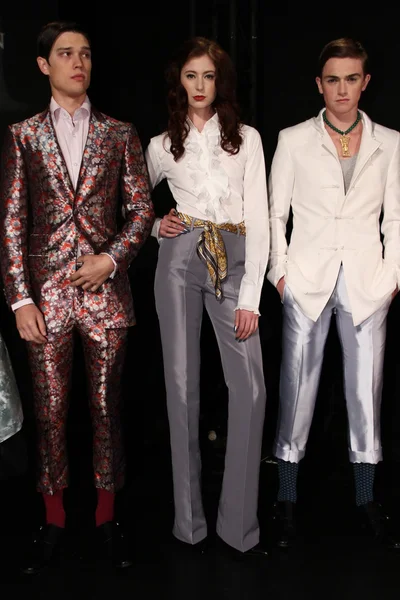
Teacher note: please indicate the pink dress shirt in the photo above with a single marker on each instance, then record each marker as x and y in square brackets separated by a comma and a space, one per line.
[71, 134]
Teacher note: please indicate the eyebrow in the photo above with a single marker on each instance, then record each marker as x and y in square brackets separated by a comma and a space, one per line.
[336, 77]
[63, 49]
[204, 72]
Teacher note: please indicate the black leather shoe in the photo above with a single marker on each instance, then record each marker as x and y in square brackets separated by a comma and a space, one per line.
[43, 549]
[199, 548]
[257, 551]
[378, 525]
[114, 541]
[284, 523]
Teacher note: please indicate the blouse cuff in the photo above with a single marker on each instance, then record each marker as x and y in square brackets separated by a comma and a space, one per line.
[249, 296]
[249, 308]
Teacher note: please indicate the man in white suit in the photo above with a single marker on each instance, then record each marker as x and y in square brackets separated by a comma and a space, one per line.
[338, 172]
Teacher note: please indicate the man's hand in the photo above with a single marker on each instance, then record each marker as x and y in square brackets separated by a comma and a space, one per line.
[94, 271]
[171, 225]
[30, 324]
[246, 323]
[280, 286]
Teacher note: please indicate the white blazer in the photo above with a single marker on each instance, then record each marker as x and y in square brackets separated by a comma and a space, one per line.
[330, 227]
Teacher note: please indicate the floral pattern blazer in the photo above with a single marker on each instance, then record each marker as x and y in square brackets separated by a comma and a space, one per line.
[45, 224]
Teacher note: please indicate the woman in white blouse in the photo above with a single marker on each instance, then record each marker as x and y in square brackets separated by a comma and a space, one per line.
[213, 253]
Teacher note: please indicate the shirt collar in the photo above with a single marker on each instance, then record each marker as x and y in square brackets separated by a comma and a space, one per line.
[81, 113]
[210, 125]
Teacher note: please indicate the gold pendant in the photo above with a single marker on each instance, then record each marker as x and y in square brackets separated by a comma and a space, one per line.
[344, 142]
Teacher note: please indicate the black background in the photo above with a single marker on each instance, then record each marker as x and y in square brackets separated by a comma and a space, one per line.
[275, 52]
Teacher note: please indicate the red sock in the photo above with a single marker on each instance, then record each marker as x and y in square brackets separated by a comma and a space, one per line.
[55, 513]
[105, 507]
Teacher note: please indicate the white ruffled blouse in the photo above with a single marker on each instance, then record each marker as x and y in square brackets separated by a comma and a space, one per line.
[208, 183]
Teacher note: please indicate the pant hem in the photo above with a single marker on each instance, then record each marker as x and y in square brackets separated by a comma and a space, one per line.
[293, 456]
[371, 457]
[196, 537]
[242, 545]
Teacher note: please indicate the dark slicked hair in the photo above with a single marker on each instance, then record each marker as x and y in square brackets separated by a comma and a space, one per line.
[343, 48]
[50, 32]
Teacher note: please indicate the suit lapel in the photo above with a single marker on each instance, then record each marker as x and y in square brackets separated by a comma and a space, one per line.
[369, 145]
[94, 150]
[53, 160]
[327, 144]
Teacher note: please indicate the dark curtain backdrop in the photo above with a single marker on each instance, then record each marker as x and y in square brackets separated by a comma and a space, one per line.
[275, 52]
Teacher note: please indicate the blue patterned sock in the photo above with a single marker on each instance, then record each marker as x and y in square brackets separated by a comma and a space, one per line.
[364, 476]
[287, 472]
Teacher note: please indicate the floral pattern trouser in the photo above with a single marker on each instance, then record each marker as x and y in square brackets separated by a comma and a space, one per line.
[51, 366]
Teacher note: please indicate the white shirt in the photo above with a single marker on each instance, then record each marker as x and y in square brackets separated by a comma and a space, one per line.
[71, 135]
[208, 183]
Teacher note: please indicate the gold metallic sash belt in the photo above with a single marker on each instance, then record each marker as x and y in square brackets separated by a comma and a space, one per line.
[211, 247]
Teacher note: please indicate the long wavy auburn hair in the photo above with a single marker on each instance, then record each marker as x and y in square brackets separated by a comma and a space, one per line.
[225, 103]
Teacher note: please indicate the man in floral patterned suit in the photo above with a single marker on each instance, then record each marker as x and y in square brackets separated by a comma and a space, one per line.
[64, 265]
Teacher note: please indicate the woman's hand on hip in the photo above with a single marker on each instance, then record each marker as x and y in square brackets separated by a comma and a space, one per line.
[171, 225]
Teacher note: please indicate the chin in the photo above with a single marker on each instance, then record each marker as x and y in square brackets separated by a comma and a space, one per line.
[201, 104]
[78, 91]
[344, 106]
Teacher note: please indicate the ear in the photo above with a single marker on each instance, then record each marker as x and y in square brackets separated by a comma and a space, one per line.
[367, 79]
[43, 65]
[319, 84]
